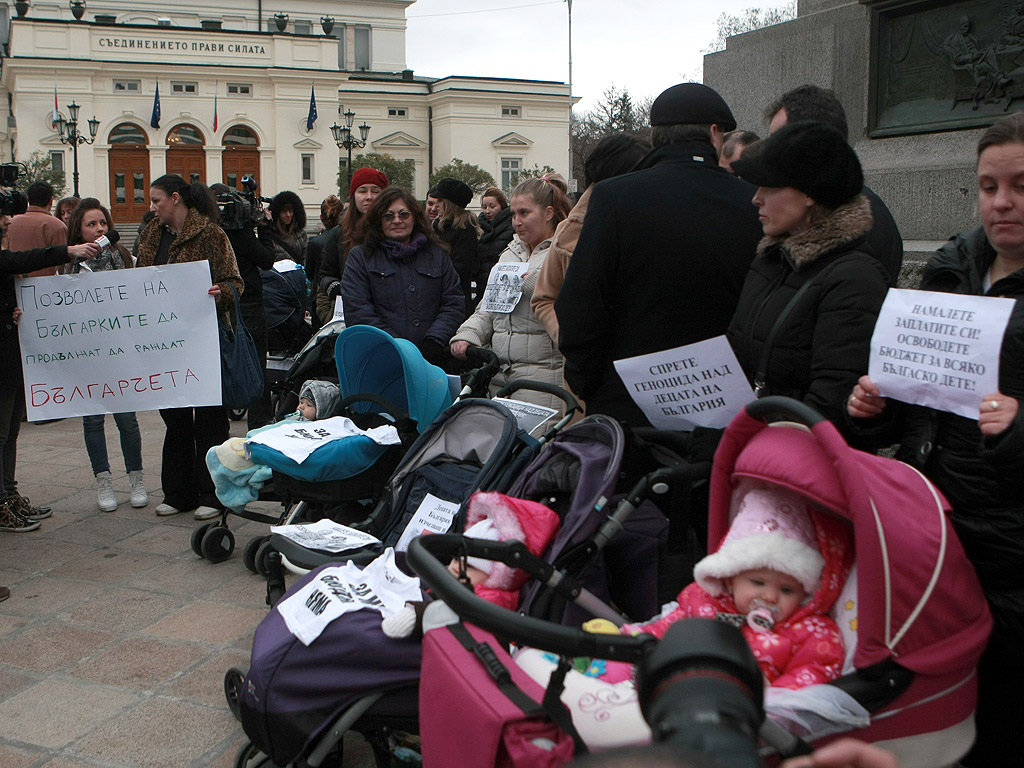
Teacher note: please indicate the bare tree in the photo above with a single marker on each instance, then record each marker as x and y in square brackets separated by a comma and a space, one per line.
[616, 112]
[748, 20]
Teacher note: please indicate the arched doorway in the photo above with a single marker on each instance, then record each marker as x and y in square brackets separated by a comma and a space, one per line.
[241, 156]
[128, 163]
[185, 155]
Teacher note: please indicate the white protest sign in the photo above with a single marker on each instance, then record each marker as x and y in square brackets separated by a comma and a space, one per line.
[339, 310]
[433, 515]
[298, 439]
[285, 265]
[504, 286]
[325, 535]
[528, 416]
[939, 349]
[337, 590]
[120, 340]
[698, 385]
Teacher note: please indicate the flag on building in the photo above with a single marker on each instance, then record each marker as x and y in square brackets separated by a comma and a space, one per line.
[311, 117]
[56, 109]
[154, 120]
[215, 108]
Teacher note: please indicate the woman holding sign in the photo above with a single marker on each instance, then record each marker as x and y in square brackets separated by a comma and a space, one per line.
[809, 302]
[185, 229]
[503, 320]
[977, 463]
[89, 222]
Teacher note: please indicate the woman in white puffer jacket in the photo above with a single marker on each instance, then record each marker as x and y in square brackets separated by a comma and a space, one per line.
[503, 320]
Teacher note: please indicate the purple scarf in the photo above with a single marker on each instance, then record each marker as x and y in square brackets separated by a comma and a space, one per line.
[396, 250]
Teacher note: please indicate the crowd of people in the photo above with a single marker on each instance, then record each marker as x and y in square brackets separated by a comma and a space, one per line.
[706, 231]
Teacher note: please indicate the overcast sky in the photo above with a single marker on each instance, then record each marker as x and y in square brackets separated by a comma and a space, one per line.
[641, 45]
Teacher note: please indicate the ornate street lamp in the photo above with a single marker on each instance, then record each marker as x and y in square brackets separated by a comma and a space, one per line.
[345, 140]
[69, 134]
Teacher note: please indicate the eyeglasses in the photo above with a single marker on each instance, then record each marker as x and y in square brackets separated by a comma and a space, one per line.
[402, 215]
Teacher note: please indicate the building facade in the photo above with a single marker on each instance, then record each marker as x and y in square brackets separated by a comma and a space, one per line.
[235, 85]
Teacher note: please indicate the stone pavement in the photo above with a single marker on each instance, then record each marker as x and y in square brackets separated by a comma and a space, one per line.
[116, 637]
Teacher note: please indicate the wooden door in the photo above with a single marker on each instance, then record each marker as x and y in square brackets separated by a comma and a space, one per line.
[129, 185]
[237, 163]
[187, 162]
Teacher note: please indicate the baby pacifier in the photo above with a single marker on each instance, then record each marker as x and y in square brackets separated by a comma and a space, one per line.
[761, 617]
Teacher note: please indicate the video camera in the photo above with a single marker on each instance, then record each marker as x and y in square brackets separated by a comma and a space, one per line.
[12, 201]
[241, 210]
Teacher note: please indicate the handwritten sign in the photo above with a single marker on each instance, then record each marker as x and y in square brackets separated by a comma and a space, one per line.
[698, 385]
[938, 349]
[504, 286]
[433, 515]
[120, 340]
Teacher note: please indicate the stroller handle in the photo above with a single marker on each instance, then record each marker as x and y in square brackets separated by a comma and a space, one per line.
[483, 356]
[777, 408]
[571, 403]
[427, 555]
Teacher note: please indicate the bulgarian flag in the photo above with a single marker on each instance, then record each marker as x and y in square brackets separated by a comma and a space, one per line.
[215, 123]
[56, 109]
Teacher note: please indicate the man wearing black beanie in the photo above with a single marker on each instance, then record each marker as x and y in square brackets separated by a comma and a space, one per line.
[662, 255]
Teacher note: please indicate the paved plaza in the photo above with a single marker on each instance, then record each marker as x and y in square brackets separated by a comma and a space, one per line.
[116, 638]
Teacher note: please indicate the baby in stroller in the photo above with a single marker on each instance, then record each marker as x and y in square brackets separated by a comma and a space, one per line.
[236, 477]
[776, 575]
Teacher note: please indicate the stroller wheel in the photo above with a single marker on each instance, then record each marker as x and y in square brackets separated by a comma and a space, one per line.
[248, 756]
[261, 557]
[218, 543]
[234, 679]
[249, 553]
[197, 538]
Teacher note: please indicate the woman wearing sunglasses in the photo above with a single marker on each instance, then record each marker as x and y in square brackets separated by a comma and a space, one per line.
[401, 279]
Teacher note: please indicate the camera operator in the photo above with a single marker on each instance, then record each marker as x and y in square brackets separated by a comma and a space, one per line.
[238, 221]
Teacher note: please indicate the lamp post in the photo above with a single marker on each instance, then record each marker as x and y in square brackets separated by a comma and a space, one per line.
[69, 134]
[345, 140]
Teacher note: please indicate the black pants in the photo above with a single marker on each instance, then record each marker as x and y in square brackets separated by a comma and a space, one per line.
[183, 474]
[261, 412]
[12, 409]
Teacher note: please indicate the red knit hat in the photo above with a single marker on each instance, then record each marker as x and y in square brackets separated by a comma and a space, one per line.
[367, 176]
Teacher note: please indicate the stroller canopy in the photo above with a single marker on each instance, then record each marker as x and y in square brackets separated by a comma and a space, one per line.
[920, 602]
[371, 360]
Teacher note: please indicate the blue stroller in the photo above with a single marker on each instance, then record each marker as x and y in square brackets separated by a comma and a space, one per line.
[383, 381]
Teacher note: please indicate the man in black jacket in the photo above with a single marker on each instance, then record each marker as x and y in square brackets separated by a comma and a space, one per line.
[809, 102]
[662, 255]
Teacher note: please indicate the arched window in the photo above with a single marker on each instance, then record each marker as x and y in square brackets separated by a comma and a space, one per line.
[185, 135]
[240, 136]
[127, 133]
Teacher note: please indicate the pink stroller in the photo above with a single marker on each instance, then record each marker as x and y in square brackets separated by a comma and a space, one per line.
[914, 619]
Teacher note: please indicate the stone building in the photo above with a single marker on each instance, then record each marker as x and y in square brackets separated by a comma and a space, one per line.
[235, 82]
[919, 81]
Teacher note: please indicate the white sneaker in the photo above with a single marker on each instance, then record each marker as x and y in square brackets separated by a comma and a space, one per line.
[105, 492]
[206, 513]
[139, 496]
[166, 510]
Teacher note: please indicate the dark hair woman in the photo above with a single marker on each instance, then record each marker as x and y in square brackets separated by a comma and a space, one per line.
[815, 221]
[184, 229]
[458, 229]
[495, 221]
[976, 462]
[401, 278]
[65, 207]
[286, 231]
[365, 186]
[91, 220]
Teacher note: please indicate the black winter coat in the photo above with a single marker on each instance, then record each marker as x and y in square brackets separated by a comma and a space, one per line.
[327, 242]
[981, 476]
[462, 245]
[252, 255]
[884, 237]
[822, 346]
[497, 235]
[660, 263]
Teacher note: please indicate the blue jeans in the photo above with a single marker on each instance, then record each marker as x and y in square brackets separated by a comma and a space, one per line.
[96, 441]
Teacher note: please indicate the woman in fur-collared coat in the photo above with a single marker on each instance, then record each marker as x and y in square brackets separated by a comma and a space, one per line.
[810, 300]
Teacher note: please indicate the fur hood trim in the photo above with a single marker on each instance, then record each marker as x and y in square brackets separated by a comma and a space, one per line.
[287, 197]
[850, 221]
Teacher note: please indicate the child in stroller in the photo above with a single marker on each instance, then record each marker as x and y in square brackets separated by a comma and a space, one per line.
[776, 575]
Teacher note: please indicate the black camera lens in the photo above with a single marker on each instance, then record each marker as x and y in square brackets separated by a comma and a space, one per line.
[702, 690]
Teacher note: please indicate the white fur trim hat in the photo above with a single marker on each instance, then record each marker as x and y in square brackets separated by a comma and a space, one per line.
[771, 528]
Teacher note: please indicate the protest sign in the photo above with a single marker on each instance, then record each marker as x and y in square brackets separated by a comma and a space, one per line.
[938, 349]
[121, 340]
[326, 535]
[433, 515]
[698, 385]
[528, 416]
[504, 286]
[298, 439]
[339, 310]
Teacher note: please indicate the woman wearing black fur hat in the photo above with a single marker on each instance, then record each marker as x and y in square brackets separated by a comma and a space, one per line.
[458, 229]
[809, 303]
[286, 233]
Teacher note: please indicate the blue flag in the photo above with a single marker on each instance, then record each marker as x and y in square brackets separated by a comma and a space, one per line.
[311, 117]
[155, 119]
